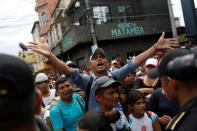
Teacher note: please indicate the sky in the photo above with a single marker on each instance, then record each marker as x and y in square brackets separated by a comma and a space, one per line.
[16, 21]
[17, 18]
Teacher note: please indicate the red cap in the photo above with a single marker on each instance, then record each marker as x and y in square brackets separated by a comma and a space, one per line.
[160, 53]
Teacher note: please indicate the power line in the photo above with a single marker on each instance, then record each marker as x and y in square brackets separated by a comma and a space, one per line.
[16, 25]
[13, 10]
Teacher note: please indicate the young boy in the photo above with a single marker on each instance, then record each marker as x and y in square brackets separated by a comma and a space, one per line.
[139, 119]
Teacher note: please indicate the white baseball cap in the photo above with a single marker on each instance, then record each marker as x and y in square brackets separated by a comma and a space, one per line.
[152, 61]
[114, 61]
[41, 77]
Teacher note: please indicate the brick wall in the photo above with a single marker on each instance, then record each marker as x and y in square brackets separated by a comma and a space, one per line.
[48, 6]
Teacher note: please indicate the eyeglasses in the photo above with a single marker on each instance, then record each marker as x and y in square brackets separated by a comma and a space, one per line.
[44, 82]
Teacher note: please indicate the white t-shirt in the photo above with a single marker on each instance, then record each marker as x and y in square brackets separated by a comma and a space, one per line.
[47, 100]
[144, 123]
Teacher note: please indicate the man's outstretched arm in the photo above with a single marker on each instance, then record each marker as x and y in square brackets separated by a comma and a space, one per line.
[44, 49]
[162, 44]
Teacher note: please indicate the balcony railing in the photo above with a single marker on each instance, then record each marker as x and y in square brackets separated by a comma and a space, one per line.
[116, 19]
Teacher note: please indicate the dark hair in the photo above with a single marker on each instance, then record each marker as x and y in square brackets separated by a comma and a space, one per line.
[123, 90]
[10, 103]
[133, 96]
[59, 81]
[95, 121]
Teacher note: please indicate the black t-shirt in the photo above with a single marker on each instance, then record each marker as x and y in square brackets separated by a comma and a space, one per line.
[186, 119]
[160, 105]
[140, 84]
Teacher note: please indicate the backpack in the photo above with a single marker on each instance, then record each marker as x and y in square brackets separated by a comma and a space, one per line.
[48, 122]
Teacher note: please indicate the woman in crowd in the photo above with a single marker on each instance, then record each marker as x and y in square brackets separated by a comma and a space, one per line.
[145, 84]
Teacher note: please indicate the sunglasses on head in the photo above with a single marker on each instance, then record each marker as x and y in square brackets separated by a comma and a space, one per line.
[43, 82]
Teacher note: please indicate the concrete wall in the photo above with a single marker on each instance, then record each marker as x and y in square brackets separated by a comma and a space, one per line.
[114, 47]
[153, 26]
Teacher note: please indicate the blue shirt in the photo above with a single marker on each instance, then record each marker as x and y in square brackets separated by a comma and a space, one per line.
[122, 124]
[69, 116]
[82, 80]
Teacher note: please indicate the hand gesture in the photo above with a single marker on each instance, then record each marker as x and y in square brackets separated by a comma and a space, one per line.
[167, 44]
[113, 116]
[42, 47]
[164, 119]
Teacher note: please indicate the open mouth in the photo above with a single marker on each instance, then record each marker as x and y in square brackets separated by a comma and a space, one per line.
[100, 65]
[68, 92]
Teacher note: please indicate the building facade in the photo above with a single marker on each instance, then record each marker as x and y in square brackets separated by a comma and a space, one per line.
[41, 65]
[126, 27]
[44, 9]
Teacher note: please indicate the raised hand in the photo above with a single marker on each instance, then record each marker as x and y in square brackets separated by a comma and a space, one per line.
[42, 47]
[113, 116]
[166, 43]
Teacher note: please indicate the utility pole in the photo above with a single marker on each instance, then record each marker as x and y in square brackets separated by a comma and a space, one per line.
[91, 23]
[173, 26]
[189, 14]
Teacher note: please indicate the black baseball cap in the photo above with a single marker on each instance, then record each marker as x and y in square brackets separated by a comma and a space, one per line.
[161, 70]
[104, 82]
[16, 88]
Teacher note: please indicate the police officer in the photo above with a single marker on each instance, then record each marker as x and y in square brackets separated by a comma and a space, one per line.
[178, 75]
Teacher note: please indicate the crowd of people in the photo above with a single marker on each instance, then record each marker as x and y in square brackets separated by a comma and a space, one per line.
[154, 91]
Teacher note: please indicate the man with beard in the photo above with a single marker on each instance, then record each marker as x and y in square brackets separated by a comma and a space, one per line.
[99, 66]
[66, 111]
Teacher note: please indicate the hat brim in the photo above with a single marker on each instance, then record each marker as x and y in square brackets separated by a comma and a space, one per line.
[151, 65]
[97, 51]
[154, 73]
[107, 84]
[110, 82]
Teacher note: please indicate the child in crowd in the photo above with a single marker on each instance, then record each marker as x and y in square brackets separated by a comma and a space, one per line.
[139, 119]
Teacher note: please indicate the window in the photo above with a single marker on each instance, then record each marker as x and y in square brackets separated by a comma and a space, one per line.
[101, 14]
[83, 20]
[44, 18]
[126, 13]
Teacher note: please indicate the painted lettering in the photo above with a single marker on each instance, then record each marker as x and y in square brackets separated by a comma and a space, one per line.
[114, 32]
[127, 29]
